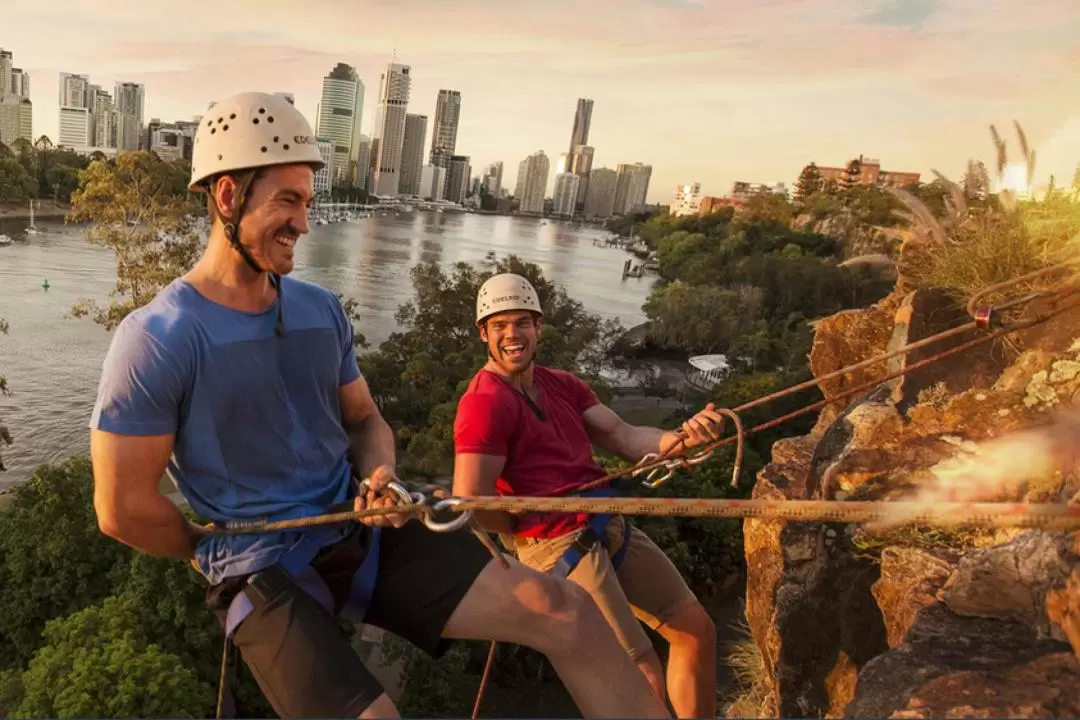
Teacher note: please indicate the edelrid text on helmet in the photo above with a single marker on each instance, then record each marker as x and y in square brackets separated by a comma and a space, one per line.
[503, 293]
[249, 131]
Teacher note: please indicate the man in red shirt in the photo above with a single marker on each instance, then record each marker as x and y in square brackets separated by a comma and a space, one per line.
[524, 429]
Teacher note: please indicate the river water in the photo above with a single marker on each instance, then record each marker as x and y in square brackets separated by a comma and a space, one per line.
[52, 361]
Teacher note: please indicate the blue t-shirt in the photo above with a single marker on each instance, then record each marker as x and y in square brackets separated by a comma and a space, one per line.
[256, 415]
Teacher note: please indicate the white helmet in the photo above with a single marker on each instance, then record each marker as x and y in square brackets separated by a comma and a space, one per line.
[504, 292]
[251, 130]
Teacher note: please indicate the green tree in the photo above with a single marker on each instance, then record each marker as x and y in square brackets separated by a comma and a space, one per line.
[976, 182]
[53, 555]
[96, 663]
[16, 184]
[140, 208]
[809, 183]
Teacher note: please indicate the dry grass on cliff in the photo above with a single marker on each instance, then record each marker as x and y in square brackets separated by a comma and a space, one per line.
[957, 539]
[965, 250]
[751, 679]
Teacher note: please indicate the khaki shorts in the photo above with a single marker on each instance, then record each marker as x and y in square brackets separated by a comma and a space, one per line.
[647, 587]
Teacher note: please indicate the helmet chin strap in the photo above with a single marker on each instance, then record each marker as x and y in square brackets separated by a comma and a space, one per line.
[232, 233]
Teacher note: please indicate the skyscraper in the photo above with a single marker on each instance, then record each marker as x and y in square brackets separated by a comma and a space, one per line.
[390, 128]
[492, 180]
[341, 108]
[105, 120]
[531, 182]
[631, 187]
[129, 99]
[16, 111]
[600, 198]
[457, 182]
[412, 154]
[582, 119]
[447, 115]
[581, 161]
[565, 195]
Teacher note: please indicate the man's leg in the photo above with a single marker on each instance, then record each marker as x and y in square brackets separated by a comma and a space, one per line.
[298, 654]
[596, 575]
[434, 587]
[663, 601]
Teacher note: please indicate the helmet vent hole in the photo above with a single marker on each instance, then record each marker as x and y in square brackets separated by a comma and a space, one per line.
[285, 146]
[224, 128]
[233, 116]
[262, 111]
[264, 148]
[213, 130]
[255, 121]
[269, 118]
[275, 138]
[219, 157]
[220, 120]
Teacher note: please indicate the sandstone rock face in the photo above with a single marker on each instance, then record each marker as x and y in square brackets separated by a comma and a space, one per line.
[950, 666]
[910, 579]
[924, 313]
[1011, 581]
[920, 622]
[850, 337]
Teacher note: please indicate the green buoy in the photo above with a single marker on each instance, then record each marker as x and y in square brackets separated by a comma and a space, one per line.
[45, 284]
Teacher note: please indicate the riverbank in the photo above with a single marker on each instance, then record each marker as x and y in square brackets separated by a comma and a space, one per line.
[21, 211]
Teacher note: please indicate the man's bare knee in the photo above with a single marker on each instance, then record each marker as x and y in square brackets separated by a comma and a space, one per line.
[565, 613]
[383, 707]
[691, 623]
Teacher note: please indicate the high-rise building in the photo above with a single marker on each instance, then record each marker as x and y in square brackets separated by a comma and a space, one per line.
[104, 119]
[447, 115]
[631, 188]
[16, 111]
[432, 181]
[390, 129]
[129, 99]
[687, 200]
[412, 154]
[600, 198]
[531, 182]
[581, 161]
[565, 196]
[457, 183]
[7, 66]
[74, 91]
[324, 177]
[582, 119]
[492, 180]
[75, 128]
[363, 162]
[16, 120]
[341, 107]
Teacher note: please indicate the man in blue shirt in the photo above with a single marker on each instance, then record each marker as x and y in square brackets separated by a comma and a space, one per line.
[243, 385]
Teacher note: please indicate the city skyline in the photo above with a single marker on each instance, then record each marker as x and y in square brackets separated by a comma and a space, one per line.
[702, 92]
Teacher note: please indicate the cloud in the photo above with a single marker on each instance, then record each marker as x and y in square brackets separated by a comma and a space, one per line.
[902, 13]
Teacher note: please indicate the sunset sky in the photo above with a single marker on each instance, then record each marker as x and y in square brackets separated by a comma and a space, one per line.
[703, 90]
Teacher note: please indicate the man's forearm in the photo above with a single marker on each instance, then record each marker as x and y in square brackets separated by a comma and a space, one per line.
[371, 444]
[153, 525]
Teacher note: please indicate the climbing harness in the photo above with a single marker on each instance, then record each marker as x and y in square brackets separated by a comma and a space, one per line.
[595, 532]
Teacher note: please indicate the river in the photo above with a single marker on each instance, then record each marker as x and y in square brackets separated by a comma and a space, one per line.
[52, 361]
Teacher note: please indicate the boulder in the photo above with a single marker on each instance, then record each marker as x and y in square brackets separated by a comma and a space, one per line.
[849, 337]
[1011, 581]
[809, 605]
[910, 579]
[924, 313]
[952, 666]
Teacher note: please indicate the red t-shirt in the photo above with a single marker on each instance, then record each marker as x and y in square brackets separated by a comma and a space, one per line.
[541, 456]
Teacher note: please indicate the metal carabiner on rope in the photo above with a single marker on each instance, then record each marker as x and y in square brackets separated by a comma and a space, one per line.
[441, 505]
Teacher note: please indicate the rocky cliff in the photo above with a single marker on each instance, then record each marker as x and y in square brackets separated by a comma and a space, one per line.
[921, 621]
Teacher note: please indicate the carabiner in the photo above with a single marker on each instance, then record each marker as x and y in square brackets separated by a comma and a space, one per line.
[404, 497]
[451, 525]
[650, 483]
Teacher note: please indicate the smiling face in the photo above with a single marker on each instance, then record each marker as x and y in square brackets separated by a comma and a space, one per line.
[276, 215]
[511, 340]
